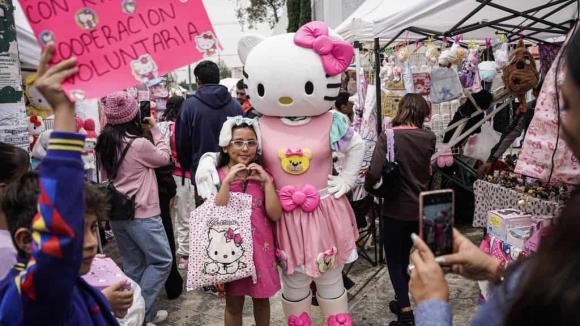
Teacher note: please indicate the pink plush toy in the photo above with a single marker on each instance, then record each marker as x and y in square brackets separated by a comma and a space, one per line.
[90, 127]
[35, 127]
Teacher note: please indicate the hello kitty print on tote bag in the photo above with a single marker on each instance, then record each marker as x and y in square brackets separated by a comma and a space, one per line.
[221, 242]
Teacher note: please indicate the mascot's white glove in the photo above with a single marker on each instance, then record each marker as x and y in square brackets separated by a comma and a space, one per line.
[339, 185]
[207, 178]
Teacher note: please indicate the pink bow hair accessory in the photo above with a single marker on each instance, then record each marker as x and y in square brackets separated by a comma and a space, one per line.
[236, 237]
[340, 320]
[336, 55]
[307, 199]
[302, 320]
[294, 152]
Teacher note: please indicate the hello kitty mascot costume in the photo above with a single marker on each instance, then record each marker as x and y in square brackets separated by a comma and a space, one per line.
[293, 80]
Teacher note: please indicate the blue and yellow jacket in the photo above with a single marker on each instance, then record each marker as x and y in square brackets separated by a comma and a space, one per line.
[49, 290]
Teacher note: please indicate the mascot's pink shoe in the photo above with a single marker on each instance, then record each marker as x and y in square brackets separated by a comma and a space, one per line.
[298, 312]
[340, 320]
[302, 320]
[335, 311]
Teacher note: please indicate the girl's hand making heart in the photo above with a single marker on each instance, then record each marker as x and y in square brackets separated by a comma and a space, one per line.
[238, 172]
[257, 173]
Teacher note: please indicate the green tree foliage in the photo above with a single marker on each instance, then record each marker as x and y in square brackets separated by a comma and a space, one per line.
[252, 12]
[225, 71]
[299, 13]
[293, 8]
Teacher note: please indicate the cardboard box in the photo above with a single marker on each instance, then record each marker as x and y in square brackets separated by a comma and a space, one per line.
[499, 222]
[517, 237]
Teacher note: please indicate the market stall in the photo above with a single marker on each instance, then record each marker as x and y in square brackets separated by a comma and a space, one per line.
[463, 66]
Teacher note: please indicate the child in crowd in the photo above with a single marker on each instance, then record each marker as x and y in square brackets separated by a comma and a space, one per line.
[49, 290]
[19, 205]
[14, 163]
[240, 171]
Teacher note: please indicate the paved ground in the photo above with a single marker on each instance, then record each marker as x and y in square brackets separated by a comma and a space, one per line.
[368, 299]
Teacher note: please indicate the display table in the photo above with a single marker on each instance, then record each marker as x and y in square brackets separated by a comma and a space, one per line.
[490, 196]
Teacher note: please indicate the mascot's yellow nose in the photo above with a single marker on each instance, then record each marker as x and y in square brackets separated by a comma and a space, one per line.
[285, 100]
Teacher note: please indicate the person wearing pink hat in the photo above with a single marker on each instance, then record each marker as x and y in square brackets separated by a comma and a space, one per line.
[129, 159]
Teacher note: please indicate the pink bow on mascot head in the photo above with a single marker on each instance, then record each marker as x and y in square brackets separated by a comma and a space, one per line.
[336, 55]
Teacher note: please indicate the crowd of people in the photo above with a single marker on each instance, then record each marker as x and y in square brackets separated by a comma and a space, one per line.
[49, 218]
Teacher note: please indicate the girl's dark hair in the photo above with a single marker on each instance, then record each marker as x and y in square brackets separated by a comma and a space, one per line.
[224, 158]
[172, 109]
[96, 201]
[110, 142]
[413, 109]
[19, 204]
[14, 163]
[572, 51]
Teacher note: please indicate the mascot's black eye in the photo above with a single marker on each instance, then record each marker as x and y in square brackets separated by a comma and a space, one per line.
[261, 90]
[215, 253]
[233, 253]
[309, 88]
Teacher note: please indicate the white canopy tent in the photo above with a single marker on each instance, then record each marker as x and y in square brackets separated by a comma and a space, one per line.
[385, 19]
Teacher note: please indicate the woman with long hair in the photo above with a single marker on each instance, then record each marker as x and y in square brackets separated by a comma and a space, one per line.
[414, 146]
[141, 239]
[542, 290]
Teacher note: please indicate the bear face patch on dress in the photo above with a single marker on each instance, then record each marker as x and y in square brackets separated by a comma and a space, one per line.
[295, 161]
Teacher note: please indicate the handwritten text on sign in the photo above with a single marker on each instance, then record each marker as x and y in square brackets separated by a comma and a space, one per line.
[120, 43]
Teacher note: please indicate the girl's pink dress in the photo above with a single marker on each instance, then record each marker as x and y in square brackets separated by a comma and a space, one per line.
[268, 280]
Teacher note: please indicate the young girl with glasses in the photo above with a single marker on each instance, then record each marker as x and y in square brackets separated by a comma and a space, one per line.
[239, 170]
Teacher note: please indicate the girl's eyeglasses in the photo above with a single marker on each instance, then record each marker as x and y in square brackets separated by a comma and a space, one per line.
[241, 143]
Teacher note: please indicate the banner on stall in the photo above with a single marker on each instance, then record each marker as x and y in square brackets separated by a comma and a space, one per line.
[121, 43]
[13, 125]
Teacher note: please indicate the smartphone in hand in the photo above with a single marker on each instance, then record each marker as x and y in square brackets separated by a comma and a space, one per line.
[145, 108]
[436, 209]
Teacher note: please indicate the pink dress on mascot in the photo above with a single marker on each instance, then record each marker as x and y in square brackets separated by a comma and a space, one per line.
[293, 80]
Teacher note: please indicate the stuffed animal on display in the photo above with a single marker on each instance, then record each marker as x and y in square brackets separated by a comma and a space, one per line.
[36, 103]
[521, 74]
[35, 127]
[317, 233]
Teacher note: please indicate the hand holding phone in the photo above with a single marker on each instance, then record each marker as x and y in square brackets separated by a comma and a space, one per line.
[436, 209]
[145, 109]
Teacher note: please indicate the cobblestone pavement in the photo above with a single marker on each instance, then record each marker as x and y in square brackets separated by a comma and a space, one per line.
[368, 299]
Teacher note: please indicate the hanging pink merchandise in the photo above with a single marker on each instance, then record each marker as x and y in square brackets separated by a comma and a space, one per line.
[545, 155]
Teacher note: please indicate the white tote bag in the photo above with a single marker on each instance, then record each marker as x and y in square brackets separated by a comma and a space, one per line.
[479, 146]
[221, 248]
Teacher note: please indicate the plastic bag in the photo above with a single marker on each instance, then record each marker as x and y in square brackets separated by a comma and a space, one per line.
[479, 146]
[487, 71]
[445, 85]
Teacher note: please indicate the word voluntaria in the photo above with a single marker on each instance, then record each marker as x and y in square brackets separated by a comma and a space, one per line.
[119, 43]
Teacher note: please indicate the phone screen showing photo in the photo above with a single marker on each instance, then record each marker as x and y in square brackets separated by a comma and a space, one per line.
[437, 222]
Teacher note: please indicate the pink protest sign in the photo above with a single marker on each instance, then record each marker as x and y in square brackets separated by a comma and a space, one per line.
[120, 43]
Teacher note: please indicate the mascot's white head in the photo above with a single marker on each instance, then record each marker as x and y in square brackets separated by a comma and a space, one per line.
[297, 74]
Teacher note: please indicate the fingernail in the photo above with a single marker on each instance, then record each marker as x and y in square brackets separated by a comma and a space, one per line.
[414, 237]
[440, 260]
